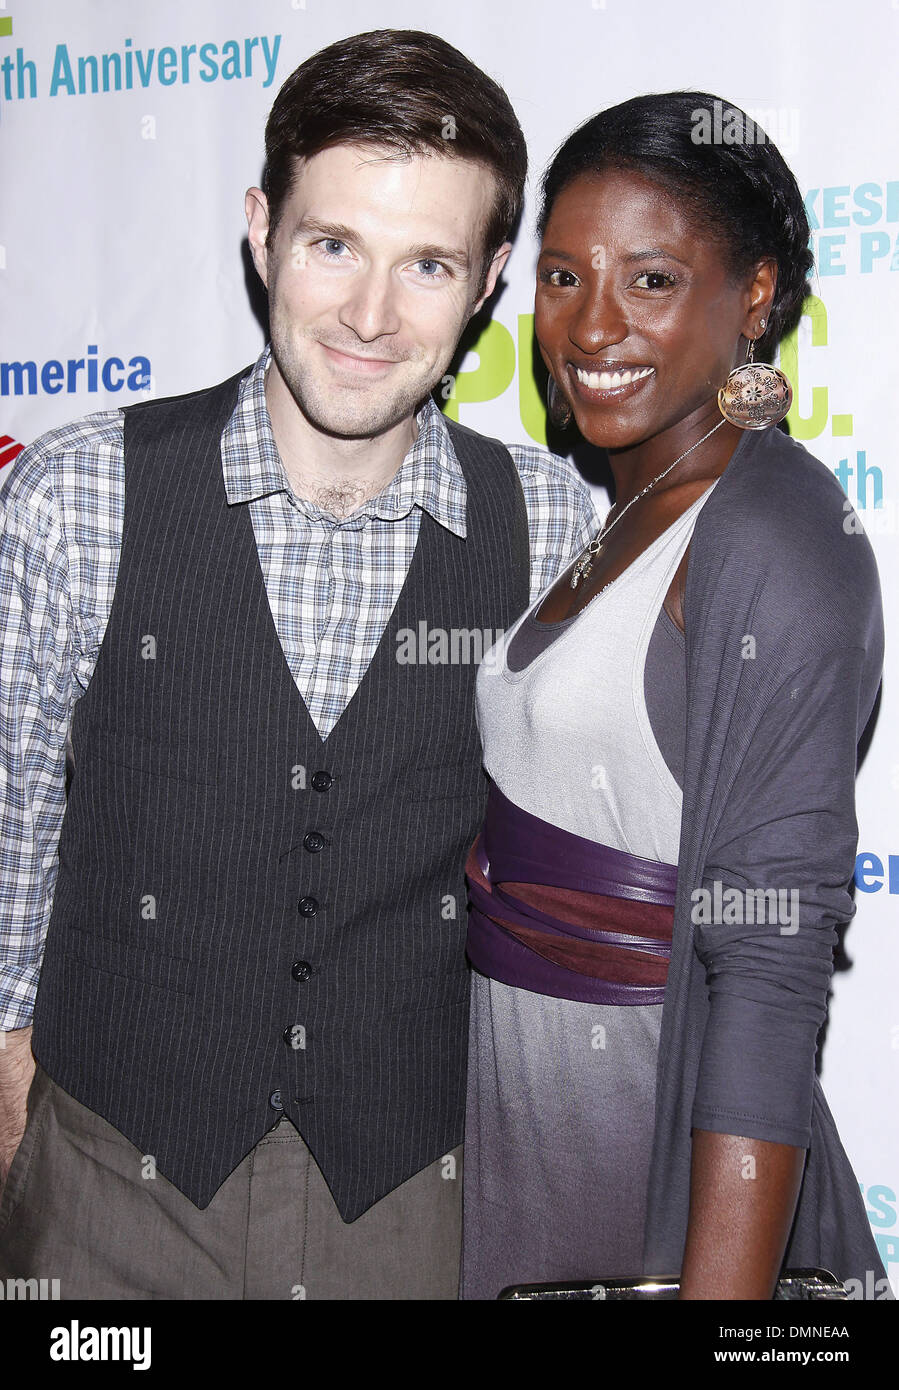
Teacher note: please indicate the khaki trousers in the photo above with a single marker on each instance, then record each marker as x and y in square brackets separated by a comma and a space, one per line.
[77, 1208]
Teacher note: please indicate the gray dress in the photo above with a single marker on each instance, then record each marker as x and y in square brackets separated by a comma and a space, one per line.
[560, 1109]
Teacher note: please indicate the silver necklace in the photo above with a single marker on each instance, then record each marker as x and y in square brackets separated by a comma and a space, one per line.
[585, 563]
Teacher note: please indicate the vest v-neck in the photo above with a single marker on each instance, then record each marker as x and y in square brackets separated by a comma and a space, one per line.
[377, 658]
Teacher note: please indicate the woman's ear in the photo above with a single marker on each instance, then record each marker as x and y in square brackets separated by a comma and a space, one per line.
[762, 288]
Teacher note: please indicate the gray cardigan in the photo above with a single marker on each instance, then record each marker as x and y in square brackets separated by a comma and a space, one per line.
[768, 801]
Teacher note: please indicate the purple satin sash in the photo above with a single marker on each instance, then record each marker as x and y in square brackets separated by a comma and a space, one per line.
[522, 943]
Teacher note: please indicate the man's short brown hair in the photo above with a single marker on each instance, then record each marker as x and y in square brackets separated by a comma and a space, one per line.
[401, 89]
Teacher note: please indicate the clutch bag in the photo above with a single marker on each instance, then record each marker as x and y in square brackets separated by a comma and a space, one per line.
[793, 1284]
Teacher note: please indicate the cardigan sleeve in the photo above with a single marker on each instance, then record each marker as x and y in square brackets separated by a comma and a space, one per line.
[775, 887]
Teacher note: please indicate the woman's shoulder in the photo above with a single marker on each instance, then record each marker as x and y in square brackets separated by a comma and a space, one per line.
[776, 486]
[779, 531]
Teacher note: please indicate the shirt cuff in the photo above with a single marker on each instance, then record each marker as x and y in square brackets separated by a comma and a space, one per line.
[18, 988]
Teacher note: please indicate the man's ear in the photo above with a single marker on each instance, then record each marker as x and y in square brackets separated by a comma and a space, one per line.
[256, 208]
[493, 273]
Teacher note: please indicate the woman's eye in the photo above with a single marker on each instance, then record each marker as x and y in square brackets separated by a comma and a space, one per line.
[558, 277]
[659, 279]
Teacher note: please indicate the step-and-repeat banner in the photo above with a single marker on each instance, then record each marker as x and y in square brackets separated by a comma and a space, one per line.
[130, 132]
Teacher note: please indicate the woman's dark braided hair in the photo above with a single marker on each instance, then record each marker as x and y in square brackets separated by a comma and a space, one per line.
[743, 193]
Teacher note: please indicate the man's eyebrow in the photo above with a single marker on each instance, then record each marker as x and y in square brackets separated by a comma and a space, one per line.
[337, 230]
[455, 256]
[452, 255]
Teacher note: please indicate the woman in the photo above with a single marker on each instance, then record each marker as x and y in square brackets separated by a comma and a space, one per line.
[672, 748]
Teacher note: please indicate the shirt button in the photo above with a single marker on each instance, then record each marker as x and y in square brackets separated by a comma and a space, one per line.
[321, 781]
[314, 841]
[308, 906]
[274, 1100]
[301, 970]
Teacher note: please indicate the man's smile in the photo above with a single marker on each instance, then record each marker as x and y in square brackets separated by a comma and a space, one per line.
[357, 363]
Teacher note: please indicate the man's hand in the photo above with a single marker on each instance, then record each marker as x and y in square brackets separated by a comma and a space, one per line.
[16, 1072]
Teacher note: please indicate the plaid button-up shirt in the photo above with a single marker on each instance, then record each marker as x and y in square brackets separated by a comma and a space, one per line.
[332, 585]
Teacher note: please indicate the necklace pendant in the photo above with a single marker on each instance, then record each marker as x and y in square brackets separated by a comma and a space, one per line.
[585, 563]
[581, 569]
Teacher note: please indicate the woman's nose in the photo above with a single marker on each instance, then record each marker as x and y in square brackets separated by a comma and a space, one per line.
[599, 320]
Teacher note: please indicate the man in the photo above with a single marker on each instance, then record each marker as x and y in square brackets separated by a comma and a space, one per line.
[254, 908]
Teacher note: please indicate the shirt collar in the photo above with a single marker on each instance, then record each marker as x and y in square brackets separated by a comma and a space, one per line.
[430, 476]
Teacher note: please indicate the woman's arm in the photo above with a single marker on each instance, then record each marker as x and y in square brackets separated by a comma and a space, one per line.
[789, 827]
[743, 1194]
[779, 815]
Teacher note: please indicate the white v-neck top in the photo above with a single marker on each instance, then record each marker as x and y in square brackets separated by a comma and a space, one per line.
[568, 738]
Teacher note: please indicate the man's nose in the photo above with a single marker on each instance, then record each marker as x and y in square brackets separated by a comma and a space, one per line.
[370, 308]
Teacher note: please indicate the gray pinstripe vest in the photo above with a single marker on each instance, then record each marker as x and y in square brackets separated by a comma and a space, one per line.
[244, 916]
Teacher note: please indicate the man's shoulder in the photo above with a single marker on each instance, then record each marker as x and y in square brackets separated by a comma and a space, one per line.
[532, 461]
[47, 467]
[87, 448]
[536, 462]
[101, 427]
[557, 499]
[183, 400]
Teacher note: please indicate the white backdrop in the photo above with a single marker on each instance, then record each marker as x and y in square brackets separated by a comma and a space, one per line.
[121, 237]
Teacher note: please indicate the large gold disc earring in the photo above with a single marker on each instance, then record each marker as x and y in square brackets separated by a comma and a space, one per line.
[756, 395]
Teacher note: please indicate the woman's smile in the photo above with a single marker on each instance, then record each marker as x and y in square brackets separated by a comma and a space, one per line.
[608, 380]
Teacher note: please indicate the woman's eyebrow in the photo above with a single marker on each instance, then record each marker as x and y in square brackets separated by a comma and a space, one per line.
[558, 255]
[654, 251]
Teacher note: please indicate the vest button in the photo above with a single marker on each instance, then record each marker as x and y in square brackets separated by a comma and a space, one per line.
[295, 1036]
[308, 906]
[301, 970]
[321, 781]
[314, 841]
[274, 1100]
